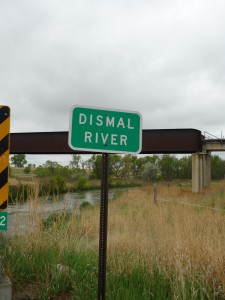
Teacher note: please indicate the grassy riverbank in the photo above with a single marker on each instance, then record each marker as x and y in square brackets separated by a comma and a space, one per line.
[20, 189]
[167, 251]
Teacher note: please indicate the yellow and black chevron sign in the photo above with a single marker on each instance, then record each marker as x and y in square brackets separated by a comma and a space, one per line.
[4, 155]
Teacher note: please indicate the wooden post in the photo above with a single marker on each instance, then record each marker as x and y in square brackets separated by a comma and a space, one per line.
[155, 193]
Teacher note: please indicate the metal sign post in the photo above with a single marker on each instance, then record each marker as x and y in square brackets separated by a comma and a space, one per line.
[103, 228]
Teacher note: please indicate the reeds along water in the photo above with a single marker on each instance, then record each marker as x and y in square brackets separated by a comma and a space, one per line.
[29, 209]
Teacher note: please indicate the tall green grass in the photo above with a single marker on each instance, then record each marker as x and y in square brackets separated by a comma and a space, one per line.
[38, 267]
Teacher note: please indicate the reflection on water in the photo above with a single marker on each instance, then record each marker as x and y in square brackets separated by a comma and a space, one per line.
[23, 218]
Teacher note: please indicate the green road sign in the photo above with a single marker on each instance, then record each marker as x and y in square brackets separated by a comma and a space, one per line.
[3, 220]
[101, 130]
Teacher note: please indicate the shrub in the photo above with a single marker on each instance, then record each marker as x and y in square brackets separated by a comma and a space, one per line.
[58, 184]
[82, 183]
[27, 169]
[56, 219]
[85, 204]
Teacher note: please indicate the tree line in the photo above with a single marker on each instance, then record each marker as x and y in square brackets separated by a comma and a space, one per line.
[150, 168]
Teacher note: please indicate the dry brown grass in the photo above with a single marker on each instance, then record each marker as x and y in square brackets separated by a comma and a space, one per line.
[184, 239]
[176, 237]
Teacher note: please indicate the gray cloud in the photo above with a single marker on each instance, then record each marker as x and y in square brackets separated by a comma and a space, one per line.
[162, 58]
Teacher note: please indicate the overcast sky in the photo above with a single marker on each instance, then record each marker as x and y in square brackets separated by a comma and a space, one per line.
[163, 58]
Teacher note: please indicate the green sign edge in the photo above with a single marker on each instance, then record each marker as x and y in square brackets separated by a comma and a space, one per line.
[101, 150]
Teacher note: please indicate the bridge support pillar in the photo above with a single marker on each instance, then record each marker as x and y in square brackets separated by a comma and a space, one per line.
[201, 171]
[206, 170]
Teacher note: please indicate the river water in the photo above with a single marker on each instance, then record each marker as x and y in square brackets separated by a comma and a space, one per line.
[24, 218]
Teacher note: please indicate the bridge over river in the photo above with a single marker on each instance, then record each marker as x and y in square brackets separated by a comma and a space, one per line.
[154, 141]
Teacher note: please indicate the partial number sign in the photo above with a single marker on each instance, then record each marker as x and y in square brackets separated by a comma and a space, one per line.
[4, 155]
[3, 220]
[102, 130]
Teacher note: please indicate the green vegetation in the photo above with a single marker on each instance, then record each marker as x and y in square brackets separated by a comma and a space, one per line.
[121, 168]
[56, 219]
[125, 171]
[19, 160]
[82, 184]
[164, 251]
[18, 193]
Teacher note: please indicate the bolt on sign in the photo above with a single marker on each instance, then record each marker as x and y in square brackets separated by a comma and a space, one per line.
[4, 155]
[102, 130]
